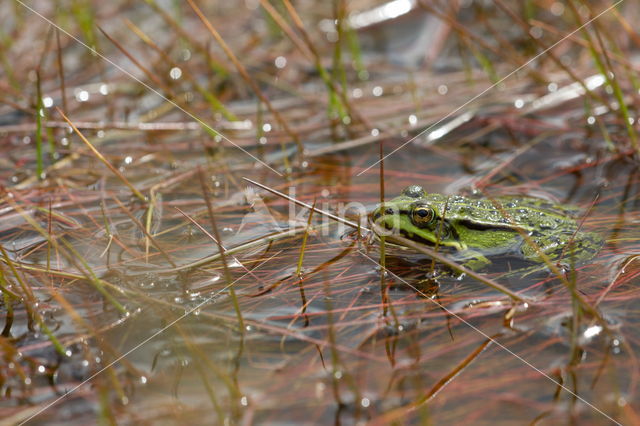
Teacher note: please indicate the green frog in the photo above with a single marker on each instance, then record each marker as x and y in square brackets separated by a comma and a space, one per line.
[476, 229]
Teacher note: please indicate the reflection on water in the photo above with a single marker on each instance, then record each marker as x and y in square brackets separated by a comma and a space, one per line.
[321, 346]
[117, 310]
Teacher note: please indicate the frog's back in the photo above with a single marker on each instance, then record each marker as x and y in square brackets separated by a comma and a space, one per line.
[509, 212]
[566, 210]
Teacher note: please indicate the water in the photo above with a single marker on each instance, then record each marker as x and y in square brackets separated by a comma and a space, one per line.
[326, 345]
[159, 330]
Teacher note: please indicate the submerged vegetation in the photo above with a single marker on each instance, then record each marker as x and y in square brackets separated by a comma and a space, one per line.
[184, 192]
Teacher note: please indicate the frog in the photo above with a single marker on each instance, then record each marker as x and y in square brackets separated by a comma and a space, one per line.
[476, 229]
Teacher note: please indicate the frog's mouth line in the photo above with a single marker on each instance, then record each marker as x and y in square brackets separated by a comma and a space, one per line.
[408, 235]
[417, 238]
[449, 231]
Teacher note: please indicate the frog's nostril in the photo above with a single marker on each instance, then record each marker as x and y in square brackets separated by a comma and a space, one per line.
[388, 211]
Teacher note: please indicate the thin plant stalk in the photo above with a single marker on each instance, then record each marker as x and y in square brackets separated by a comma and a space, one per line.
[305, 205]
[613, 82]
[213, 101]
[394, 416]
[63, 88]
[245, 76]
[339, 73]
[97, 283]
[549, 52]
[384, 285]
[455, 266]
[39, 108]
[72, 256]
[30, 298]
[332, 87]
[153, 77]
[8, 303]
[225, 266]
[101, 157]
[575, 294]
[304, 239]
[218, 68]
[4, 286]
[26, 289]
[144, 230]
[383, 258]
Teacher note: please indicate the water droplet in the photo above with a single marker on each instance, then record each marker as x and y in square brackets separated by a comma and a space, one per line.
[82, 96]
[557, 8]
[332, 36]
[592, 331]
[281, 62]
[175, 73]
[536, 32]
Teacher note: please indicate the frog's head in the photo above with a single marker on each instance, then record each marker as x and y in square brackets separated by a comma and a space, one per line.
[413, 216]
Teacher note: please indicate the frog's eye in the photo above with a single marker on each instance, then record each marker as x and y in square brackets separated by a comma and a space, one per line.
[422, 215]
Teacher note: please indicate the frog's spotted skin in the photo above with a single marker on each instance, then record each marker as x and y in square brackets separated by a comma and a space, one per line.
[477, 228]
